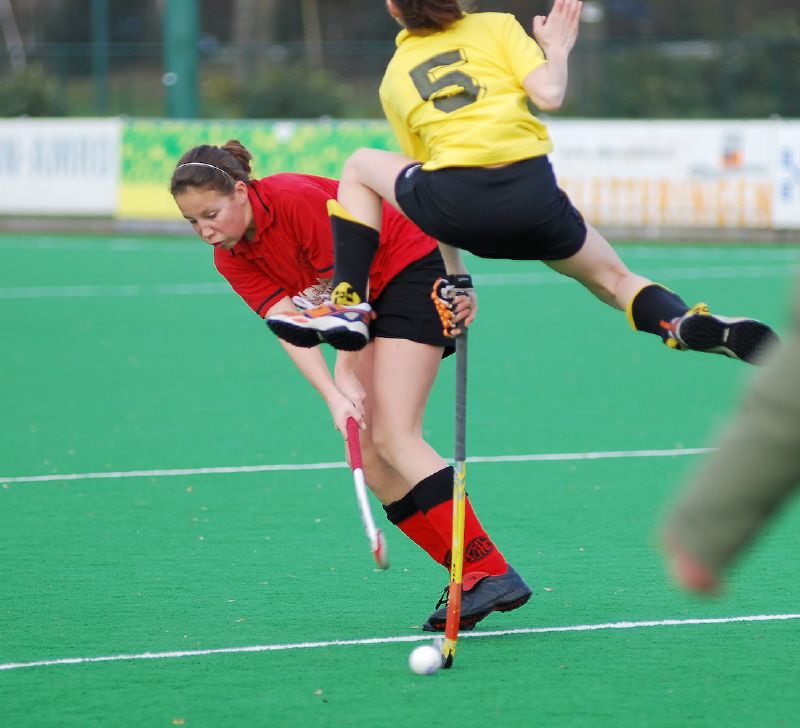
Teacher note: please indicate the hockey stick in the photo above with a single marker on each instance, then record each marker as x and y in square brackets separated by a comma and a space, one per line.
[444, 293]
[459, 503]
[377, 542]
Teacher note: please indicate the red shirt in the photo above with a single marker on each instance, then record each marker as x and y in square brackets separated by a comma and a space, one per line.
[293, 250]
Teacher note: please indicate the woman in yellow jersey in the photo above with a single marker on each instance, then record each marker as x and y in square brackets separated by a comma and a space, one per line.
[474, 173]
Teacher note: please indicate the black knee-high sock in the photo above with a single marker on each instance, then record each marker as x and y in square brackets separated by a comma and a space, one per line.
[354, 247]
[653, 308]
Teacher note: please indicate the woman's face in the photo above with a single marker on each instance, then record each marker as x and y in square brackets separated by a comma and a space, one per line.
[219, 219]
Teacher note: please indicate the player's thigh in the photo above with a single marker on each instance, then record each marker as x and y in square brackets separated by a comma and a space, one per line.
[376, 169]
[365, 365]
[403, 375]
[596, 263]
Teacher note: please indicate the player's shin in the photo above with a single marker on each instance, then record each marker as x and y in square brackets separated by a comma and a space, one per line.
[653, 308]
[355, 245]
[407, 516]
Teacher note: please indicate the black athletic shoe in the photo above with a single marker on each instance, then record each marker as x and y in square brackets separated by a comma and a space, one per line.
[737, 338]
[480, 597]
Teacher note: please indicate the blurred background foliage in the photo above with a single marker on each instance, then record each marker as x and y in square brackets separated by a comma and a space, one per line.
[324, 58]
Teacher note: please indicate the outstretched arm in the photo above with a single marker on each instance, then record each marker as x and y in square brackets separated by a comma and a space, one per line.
[556, 35]
[314, 368]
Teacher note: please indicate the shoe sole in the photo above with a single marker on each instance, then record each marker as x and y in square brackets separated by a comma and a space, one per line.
[744, 339]
[468, 623]
[295, 335]
[344, 339]
[339, 337]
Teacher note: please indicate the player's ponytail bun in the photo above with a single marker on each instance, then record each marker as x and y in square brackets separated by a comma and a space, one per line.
[236, 149]
[429, 14]
[212, 168]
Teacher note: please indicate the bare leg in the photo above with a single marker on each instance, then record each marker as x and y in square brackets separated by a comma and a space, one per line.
[385, 482]
[598, 267]
[657, 310]
[367, 178]
[404, 372]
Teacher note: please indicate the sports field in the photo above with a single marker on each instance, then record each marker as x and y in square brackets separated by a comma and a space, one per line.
[180, 541]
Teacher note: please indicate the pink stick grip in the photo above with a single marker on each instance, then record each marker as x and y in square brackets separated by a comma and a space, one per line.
[354, 444]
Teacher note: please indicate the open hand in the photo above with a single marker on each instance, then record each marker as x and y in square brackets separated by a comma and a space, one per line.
[557, 33]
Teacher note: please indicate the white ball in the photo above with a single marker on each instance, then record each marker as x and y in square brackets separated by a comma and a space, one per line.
[425, 660]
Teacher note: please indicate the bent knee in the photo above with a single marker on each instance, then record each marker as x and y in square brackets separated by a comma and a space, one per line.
[389, 442]
[370, 457]
[354, 164]
[382, 443]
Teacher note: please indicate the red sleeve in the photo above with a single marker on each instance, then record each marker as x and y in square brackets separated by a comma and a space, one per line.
[257, 289]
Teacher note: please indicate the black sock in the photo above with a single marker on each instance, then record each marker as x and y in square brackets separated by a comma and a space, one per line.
[354, 247]
[402, 509]
[653, 308]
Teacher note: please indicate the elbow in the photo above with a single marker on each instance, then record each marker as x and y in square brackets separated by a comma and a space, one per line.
[552, 101]
[546, 86]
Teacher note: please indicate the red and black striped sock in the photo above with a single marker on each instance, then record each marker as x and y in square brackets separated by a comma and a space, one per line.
[406, 515]
[434, 497]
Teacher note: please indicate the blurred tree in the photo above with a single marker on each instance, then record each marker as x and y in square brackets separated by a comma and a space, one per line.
[296, 93]
[640, 57]
[254, 23]
[131, 23]
[312, 32]
[13, 39]
[30, 92]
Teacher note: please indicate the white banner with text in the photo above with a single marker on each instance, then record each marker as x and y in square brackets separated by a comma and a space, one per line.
[722, 175]
[661, 174]
[60, 166]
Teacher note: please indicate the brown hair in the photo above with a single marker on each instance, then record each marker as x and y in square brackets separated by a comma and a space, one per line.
[212, 168]
[429, 14]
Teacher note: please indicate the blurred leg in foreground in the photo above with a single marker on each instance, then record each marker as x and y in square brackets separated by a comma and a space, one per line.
[741, 486]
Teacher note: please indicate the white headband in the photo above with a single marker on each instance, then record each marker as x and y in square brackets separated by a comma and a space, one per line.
[204, 164]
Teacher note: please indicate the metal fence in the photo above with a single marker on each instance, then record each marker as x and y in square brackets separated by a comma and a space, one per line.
[734, 78]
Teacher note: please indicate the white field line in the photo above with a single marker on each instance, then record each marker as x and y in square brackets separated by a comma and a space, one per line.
[697, 273]
[537, 278]
[391, 640]
[189, 244]
[167, 289]
[677, 452]
[95, 245]
[705, 253]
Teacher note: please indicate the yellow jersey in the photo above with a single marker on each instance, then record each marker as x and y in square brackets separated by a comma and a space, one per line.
[454, 98]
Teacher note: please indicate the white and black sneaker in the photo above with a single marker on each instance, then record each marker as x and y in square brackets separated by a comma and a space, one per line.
[344, 327]
[738, 338]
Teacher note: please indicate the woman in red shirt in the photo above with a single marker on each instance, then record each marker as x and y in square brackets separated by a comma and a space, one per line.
[272, 241]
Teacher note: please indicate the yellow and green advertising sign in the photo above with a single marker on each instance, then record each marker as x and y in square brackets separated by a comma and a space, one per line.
[152, 148]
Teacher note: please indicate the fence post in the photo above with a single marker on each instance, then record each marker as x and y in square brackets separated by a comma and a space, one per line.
[100, 55]
[181, 36]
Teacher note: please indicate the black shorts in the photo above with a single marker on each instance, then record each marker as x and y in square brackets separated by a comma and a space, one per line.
[405, 309]
[517, 211]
